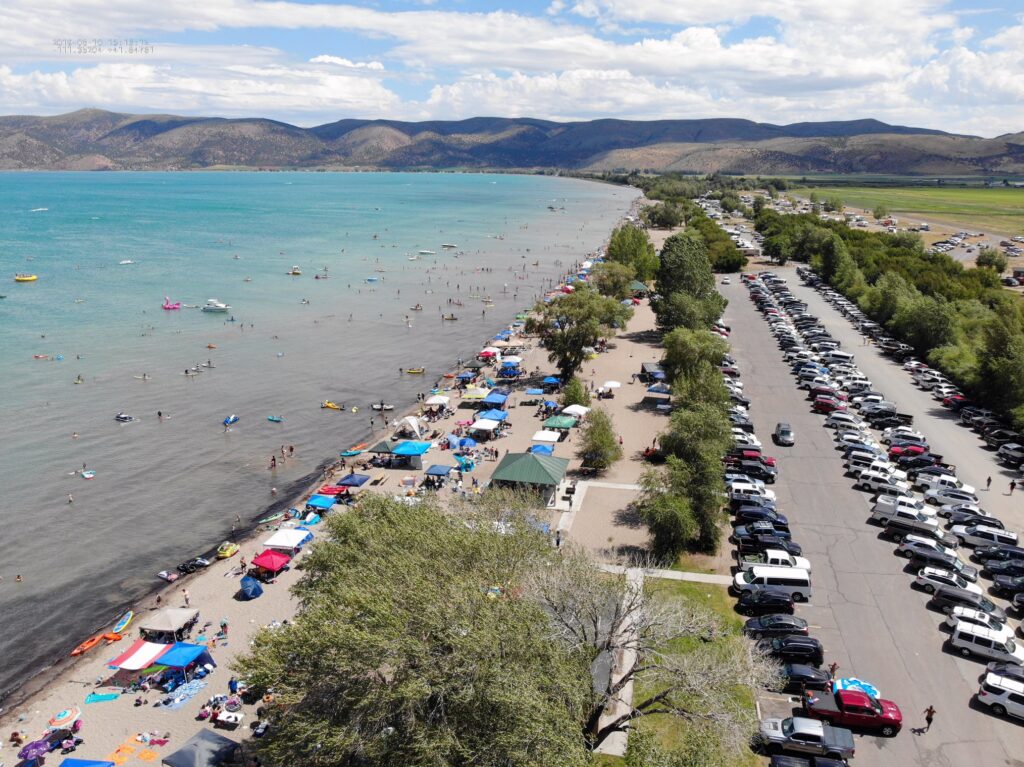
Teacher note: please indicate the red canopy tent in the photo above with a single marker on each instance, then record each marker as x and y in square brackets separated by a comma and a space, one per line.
[274, 561]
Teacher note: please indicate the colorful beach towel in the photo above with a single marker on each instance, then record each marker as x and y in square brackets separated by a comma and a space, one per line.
[97, 697]
[184, 694]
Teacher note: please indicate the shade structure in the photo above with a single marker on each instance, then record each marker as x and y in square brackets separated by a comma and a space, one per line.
[437, 399]
[274, 561]
[495, 398]
[85, 763]
[411, 447]
[494, 415]
[484, 424]
[250, 588]
[475, 393]
[169, 619]
[474, 365]
[206, 748]
[546, 435]
[576, 411]
[183, 655]
[438, 470]
[140, 655]
[64, 718]
[489, 351]
[384, 446]
[530, 469]
[321, 502]
[466, 375]
[637, 287]
[534, 392]
[509, 364]
[541, 449]
[511, 359]
[552, 381]
[288, 538]
[659, 388]
[354, 480]
[611, 385]
[560, 422]
[412, 425]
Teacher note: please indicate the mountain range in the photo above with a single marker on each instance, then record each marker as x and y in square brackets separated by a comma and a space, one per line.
[93, 139]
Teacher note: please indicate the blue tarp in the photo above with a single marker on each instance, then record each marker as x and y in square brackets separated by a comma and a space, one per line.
[250, 587]
[467, 442]
[495, 399]
[534, 392]
[467, 375]
[324, 502]
[411, 447]
[437, 470]
[183, 654]
[494, 415]
[659, 388]
[542, 449]
[552, 380]
[354, 480]
[85, 763]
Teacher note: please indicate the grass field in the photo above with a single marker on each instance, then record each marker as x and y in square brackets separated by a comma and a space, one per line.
[716, 599]
[1000, 210]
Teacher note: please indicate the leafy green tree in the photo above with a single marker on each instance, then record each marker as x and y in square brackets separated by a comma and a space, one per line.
[685, 266]
[574, 322]
[575, 393]
[630, 245]
[680, 310]
[599, 445]
[668, 516]
[662, 215]
[685, 349]
[758, 204]
[612, 279]
[880, 212]
[834, 204]
[778, 248]
[990, 258]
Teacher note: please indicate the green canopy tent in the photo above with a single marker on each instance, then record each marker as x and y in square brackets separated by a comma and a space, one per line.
[544, 471]
[560, 422]
[638, 288]
[384, 446]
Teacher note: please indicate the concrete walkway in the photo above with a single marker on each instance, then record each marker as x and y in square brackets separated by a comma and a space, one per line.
[672, 575]
[623, 660]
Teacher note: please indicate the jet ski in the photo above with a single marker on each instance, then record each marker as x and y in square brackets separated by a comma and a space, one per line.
[124, 418]
[230, 420]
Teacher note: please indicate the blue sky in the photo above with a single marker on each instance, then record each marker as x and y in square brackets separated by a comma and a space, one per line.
[955, 65]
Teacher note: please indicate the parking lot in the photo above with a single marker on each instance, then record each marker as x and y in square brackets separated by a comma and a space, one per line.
[864, 610]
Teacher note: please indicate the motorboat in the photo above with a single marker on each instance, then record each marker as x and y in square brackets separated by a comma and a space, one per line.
[449, 317]
[295, 271]
[124, 418]
[448, 246]
[417, 308]
[213, 305]
[427, 252]
[168, 306]
[125, 262]
[26, 277]
[383, 405]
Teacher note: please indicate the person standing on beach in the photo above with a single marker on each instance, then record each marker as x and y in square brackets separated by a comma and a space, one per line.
[185, 596]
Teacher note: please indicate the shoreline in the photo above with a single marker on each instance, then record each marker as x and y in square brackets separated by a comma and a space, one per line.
[61, 672]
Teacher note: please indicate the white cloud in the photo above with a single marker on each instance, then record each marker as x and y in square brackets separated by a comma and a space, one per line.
[337, 60]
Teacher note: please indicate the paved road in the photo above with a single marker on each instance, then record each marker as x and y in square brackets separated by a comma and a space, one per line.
[864, 610]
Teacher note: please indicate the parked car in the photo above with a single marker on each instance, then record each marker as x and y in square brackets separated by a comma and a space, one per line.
[756, 543]
[974, 617]
[1011, 568]
[775, 624]
[980, 535]
[949, 495]
[800, 676]
[769, 600]
[997, 552]
[1008, 585]
[857, 710]
[932, 579]
[807, 736]
[793, 648]
[1003, 694]
[945, 601]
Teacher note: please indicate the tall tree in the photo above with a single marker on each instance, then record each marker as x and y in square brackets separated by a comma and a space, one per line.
[599, 445]
[612, 278]
[630, 245]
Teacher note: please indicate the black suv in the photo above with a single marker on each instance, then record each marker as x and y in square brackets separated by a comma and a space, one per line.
[772, 599]
[793, 648]
[774, 624]
[758, 470]
[799, 676]
[759, 543]
[945, 600]
[997, 553]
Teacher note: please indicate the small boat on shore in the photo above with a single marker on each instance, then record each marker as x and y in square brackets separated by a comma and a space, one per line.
[26, 277]
[272, 518]
[214, 306]
[168, 575]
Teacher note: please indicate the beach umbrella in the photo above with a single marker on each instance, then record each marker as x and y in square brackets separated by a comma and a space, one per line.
[852, 683]
[34, 750]
[611, 385]
[550, 403]
[64, 718]
[467, 442]
[659, 388]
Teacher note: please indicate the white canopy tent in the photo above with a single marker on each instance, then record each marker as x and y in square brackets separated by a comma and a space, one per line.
[611, 385]
[287, 539]
[484, 424]
[545, 435]
[576, 411]
[437, 399]
[169, 620]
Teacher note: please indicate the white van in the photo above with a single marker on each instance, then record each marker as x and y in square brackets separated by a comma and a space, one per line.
[793, 579]
[991, 644]
[1003, 694]
[834, 357]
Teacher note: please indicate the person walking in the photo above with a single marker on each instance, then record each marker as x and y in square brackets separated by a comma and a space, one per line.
[988, 483]
[185, 596]
[832, 669]
[1013, 486]
[929, 714]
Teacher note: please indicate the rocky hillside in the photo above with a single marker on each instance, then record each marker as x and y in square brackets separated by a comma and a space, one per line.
[92, 139]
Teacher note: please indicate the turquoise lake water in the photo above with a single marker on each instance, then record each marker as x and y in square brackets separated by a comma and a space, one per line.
[168, 489]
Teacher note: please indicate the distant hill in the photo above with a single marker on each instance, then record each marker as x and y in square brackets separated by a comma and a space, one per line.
[93, 139]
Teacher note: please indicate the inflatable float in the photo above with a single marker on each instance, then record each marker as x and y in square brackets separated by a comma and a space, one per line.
[329, 405]
[275, 418]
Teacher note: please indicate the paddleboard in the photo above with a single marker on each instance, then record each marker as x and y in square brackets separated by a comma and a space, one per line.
[88, 474]
[275, 418]
[271, 518]
[123, 623]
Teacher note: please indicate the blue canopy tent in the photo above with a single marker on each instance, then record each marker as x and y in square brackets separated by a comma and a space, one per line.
[494, 398]
[85, 763]
[413, 450]
[437, 470]
[534, 392]
[467, 442]
[502, 335]
[353, 480]
[542, 450]
[551, 404]
[183, 654]
[466, 375]
[321, 502]
[494, 415]
[510, 364]
[250, 588]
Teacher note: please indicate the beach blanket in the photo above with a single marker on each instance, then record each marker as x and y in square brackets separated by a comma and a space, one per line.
[184, 694]
[96, 697]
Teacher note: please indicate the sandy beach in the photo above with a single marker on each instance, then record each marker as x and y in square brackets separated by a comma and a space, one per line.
[598, 520]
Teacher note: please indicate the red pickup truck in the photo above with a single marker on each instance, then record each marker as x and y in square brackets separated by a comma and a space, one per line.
[855, 710]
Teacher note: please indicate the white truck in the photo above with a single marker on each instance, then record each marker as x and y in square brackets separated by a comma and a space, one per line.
[771, 558]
